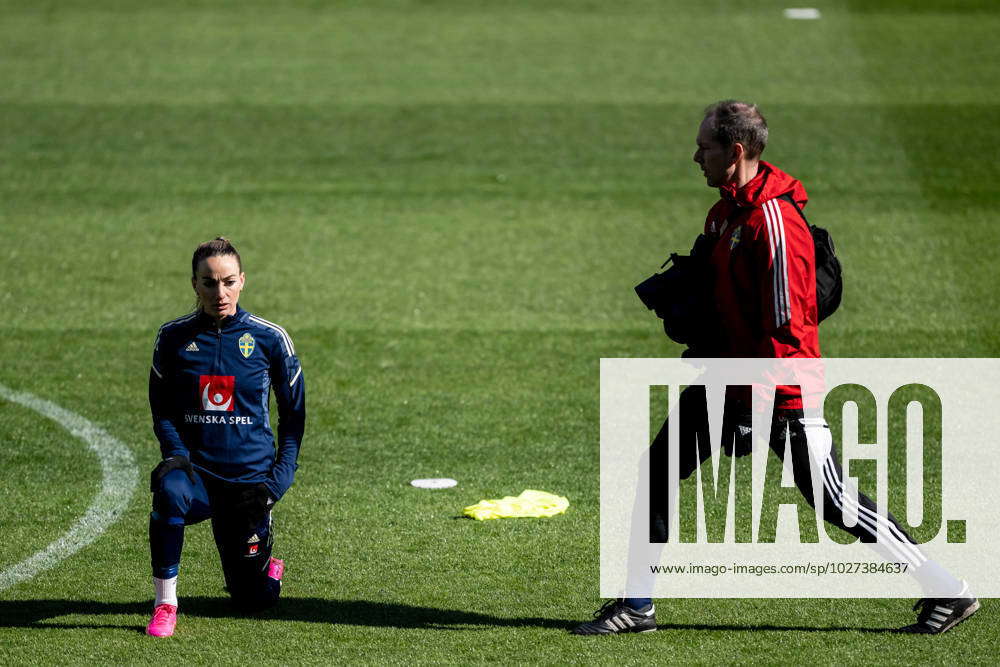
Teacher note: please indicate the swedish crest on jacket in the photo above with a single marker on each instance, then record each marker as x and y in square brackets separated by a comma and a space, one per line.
[209, 392]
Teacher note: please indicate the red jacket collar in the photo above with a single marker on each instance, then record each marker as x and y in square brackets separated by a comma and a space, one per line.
[770, 182]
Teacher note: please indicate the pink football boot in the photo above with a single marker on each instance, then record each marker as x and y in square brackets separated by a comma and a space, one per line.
[163, 621]
[276, 568]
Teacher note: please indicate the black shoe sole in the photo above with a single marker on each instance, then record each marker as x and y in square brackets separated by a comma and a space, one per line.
[620, 632]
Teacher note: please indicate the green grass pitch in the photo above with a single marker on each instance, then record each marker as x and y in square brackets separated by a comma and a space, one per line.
[447, 202]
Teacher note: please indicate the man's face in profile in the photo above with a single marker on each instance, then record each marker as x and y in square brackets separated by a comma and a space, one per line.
[716, 161]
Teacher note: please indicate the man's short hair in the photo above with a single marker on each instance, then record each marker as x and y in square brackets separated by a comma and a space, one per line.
[733, 122]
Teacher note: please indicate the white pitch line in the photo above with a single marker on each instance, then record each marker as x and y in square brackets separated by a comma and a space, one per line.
[119, 479]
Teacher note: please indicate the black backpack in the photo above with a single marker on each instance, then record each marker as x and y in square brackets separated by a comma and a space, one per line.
[829, 273]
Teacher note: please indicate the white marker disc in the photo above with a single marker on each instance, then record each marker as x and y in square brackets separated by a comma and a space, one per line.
[806, 13]
[434, 483]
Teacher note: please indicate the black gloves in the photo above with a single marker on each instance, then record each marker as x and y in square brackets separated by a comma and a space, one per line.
[740, 442]
[253, 501]
[167, 465]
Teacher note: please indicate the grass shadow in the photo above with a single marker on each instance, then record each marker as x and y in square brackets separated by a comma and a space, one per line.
[43, 614]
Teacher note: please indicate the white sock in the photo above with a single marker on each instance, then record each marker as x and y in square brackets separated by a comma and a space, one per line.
[938, 582]
[166, 591]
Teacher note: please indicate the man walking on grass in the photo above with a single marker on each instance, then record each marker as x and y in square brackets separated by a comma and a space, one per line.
[760, 260]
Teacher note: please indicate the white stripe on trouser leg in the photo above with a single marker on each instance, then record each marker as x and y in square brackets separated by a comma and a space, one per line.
[820, 443]
[866, 521]
[915, 556]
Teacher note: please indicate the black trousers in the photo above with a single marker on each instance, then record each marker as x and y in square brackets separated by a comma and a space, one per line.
[244, 545]
[811, 444]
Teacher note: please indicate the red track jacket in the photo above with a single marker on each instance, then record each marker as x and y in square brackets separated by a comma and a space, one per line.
[764, 272]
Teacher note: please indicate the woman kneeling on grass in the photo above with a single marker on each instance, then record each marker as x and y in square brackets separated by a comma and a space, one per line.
[208, 392]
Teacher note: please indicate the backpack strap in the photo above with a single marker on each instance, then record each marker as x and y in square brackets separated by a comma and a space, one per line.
[829, 273]
[791, 200]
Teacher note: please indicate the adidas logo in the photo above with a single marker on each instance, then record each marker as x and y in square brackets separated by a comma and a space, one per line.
[192, 347]
[254, 539]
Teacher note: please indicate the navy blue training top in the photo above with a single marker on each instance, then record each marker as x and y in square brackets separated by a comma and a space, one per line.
[208, 392]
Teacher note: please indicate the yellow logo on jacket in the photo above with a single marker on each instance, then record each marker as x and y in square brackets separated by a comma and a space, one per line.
[246, 345]
[735, 238]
